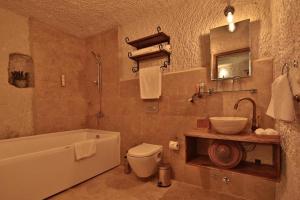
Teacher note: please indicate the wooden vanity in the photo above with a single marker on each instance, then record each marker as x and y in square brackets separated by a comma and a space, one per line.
[200, 158]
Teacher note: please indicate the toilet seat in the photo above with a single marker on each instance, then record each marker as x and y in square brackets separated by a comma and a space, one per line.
[144, 150]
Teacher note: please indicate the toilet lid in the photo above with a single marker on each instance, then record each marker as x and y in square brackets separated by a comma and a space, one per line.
[144, 150]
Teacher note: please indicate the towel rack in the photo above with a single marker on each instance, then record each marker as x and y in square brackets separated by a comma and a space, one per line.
[158, 38]
[286, 69]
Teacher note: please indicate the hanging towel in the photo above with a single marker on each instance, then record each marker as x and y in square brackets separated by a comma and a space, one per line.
[281, 105]
[85, 149]
[294, 76]
[150, 82]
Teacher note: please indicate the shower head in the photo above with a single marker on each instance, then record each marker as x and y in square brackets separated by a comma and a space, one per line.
[97, 57]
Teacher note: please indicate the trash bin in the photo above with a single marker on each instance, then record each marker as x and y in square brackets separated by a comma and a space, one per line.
[164, 175]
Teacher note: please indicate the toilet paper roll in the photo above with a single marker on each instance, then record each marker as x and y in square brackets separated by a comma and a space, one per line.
[174, 145]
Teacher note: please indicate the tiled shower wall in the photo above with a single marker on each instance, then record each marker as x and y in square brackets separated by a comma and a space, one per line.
[58, 108]
[106, 45]
[16, 116]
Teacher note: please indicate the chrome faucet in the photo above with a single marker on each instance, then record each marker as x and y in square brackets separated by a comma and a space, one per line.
[236, 105]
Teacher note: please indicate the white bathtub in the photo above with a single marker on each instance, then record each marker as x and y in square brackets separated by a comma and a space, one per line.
[36, 167]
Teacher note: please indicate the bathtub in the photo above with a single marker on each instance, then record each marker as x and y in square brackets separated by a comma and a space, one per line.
[36, 167]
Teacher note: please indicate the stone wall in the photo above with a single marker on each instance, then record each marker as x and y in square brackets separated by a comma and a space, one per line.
[286, 48]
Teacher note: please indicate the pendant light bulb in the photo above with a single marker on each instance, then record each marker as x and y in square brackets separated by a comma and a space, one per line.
[228, 12]
[229, 17]
[231, 27]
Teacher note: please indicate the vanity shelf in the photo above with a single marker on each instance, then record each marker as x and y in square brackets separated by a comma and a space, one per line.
[200, 159]
[243, 137]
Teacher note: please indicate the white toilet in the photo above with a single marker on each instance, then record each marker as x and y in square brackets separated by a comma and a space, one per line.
[144, 159]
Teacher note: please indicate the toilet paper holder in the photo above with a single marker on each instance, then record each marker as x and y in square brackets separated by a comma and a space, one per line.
[174, 145]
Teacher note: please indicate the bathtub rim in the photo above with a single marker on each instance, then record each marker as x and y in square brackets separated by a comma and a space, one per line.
[60, 133]
[58, 148]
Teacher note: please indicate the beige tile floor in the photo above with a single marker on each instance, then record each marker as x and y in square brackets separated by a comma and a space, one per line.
[115, 185]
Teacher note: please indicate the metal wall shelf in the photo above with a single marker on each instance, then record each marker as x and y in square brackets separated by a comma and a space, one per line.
[148, 41]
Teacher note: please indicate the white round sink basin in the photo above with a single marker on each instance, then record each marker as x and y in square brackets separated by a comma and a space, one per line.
[229, 125]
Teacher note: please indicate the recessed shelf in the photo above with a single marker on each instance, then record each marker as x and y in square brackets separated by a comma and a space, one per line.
[150, 40]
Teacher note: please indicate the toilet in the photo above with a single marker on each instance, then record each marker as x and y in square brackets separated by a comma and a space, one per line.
[144, 159]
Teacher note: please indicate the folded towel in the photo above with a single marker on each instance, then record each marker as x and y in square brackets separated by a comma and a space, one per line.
[294, 76]
[260, 131]
[85, 149]
[270, 131]
[151, 49]
[150, 82]
[281, 105]
[267, 131]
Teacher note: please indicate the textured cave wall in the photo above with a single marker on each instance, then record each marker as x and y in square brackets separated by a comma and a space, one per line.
[188, 24]
[286, 48]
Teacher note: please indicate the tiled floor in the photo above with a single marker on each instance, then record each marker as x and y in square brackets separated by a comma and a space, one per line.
[115, 185]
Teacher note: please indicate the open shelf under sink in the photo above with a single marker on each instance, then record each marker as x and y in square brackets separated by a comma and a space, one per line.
[198, 140]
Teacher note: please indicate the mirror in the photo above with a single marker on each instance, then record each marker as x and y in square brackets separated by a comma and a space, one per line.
[233, 64]
[230, 52]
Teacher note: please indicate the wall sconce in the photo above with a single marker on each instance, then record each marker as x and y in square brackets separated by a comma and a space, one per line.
[228, 12]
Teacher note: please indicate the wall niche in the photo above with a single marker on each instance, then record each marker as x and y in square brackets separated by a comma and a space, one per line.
[20, 70]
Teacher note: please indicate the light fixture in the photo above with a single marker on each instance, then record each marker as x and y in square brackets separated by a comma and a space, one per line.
[228, 12]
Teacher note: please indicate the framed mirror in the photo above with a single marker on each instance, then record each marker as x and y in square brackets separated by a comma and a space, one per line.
[230, 52]
[232, 64]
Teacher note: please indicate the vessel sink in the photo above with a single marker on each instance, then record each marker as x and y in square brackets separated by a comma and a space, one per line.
[229, 125]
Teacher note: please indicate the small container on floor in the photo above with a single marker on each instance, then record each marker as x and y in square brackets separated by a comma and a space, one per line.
[164, 175]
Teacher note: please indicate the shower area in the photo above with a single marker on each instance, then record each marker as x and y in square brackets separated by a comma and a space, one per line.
[103, 81]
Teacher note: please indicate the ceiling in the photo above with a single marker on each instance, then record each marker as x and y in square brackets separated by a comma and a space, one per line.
[84, 18]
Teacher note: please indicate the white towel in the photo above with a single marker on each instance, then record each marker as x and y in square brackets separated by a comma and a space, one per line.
[294, 76]
[151, 49]
[150, 82]
[268, 131]
[282, 105]
[85, 149]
